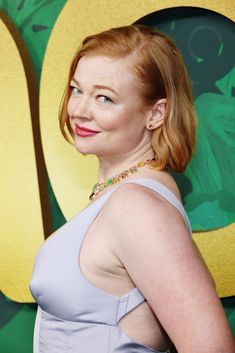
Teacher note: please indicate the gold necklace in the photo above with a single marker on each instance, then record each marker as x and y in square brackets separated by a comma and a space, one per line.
[98, 187]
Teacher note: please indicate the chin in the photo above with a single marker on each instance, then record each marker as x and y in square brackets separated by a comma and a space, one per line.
[85, 148]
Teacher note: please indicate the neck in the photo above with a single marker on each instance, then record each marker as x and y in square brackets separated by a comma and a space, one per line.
[112, 166]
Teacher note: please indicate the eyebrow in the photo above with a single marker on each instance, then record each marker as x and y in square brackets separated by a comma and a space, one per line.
[97, 86]
[74, 80]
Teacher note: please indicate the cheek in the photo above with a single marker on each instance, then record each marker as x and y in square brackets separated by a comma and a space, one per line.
[108, 120]
[116, 120]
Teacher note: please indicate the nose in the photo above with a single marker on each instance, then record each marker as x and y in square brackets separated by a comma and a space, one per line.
[79, 107]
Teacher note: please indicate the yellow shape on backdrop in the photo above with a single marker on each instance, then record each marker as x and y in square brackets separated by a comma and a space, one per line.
[20, 217]
[218, 249]
[72, 174]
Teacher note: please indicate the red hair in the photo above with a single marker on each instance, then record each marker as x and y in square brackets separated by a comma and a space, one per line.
[158, 65]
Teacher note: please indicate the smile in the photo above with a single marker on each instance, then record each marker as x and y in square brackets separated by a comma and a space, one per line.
[84, 132]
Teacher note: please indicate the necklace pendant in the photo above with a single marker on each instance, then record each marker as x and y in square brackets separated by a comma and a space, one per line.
[133, 169]
[115, 180]
[109, 182]
[124, 174]
[94, 187]
[141, 164]
[91, 196]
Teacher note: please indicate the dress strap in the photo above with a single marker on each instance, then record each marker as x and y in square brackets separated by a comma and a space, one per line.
[129, 302]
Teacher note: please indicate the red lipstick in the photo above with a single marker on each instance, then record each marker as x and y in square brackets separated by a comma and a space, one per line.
[84, 132]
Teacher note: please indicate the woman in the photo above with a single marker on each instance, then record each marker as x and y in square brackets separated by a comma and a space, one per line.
[124, 274]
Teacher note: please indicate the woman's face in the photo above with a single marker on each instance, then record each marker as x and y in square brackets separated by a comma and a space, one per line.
[105, 108]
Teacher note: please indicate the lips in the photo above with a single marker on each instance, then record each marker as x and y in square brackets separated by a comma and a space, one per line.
[84, 132]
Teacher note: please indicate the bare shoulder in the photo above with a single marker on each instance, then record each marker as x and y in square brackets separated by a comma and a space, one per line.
[131, 192]
[141, 220]
[135, 203]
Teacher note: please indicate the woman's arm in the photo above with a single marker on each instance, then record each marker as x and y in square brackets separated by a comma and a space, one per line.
[152, 242]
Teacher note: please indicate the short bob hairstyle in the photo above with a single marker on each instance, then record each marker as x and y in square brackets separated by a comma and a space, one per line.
[158, 66]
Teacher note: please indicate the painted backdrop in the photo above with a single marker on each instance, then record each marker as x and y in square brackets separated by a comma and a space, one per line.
[37, 41]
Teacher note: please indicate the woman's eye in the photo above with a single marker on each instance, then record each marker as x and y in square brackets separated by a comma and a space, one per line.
[104, 99]
[75, 90]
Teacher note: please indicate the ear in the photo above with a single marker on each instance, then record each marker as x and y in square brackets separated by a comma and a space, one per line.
[156, 114]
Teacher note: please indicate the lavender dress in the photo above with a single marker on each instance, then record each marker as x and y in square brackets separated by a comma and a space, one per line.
[73, 315]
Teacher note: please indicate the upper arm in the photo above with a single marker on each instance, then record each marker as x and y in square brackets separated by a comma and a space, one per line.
[151, 240]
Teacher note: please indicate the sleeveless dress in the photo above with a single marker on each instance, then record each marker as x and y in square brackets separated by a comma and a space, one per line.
[73, 315]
